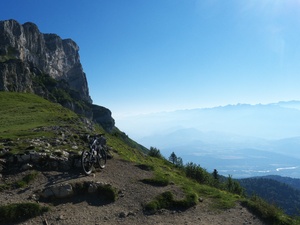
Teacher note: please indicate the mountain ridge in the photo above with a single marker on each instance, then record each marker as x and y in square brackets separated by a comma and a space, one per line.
[270, 121]
[48, 66]
[54, 138]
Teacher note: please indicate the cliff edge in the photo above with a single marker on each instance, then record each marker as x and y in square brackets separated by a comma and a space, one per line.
[46, 65]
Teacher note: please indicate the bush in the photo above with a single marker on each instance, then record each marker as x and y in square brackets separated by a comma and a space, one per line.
[267, 212]
[108, 192]
[166, 201]
[20, 211]
[198, 173]
[154, 152]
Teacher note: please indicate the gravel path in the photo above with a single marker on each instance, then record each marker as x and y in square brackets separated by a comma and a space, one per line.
[127, 209]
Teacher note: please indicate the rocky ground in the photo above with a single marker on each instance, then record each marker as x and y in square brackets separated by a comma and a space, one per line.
[127, 209]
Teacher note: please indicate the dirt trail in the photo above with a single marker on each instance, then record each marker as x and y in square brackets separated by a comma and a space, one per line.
[127, 209]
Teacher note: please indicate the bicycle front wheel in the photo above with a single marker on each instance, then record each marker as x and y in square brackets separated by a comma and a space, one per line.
[86, 162]
[102, 158]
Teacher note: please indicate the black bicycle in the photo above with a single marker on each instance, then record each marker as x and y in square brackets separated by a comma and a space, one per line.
[96, 155]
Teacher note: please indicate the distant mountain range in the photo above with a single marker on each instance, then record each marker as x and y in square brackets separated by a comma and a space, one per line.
[270, 121]
[242, 140]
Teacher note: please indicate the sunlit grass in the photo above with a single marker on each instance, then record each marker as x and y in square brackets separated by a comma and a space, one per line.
[22, 112]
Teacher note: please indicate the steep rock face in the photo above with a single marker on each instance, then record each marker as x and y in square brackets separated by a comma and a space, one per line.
[103, 116]
[48, 52]
[46, 65]
[15, 76]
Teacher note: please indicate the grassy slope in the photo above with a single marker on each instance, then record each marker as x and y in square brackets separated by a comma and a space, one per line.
[21, 113]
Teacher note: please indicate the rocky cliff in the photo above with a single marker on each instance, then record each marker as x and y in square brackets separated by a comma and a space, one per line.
[47, 65]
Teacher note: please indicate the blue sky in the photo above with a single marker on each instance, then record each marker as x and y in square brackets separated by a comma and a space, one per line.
[144, 56]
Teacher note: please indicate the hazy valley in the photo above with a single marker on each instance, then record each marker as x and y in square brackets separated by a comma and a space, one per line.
[240, 140]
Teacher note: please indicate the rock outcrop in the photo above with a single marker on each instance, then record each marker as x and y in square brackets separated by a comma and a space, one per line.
[24, 50]
[46, 65]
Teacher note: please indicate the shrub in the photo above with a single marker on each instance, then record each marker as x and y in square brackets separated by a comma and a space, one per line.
[163, 200]
[166, 200]
[267, 212]
[154, 152]
[198, 173]
[108, 192]
[20, 211]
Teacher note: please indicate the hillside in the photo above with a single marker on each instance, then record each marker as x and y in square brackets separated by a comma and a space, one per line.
[125, 172]
[293, 182]
[274, 191]
[49, 66]
[41, 140]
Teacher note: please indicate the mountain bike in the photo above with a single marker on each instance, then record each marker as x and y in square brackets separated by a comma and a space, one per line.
[96, 155]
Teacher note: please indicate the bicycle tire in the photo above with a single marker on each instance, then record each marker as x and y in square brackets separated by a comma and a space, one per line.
[86, 163]
[102, 158]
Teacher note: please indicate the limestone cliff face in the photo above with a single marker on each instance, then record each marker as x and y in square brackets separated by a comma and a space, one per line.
[46, 52]
[47, 65]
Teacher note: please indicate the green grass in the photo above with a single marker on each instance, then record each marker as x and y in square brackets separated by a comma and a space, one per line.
[27, 179]
[23, 112]
[108, 192]
[24, 116]
[20, 212]
[157, 181]
[271, 214]
[166, 201]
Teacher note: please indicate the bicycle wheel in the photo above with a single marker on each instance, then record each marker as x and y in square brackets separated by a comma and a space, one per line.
[86, 162]
[102, 158]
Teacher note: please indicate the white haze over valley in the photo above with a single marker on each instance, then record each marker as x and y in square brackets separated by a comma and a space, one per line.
[240, 140]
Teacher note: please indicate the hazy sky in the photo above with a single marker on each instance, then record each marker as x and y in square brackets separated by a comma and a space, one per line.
[154, 55]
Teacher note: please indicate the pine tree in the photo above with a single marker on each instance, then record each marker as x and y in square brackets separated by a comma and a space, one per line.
[173, 158]
[215, 174]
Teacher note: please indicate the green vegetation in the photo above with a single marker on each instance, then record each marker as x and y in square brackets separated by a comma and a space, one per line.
[166, 201]
[146, 167]
[108, 192]
[116, 133]
[25, 181]
[176, 160]
[274, 192]
[157, 181]
[268, 212]
[26, 116]
[24, 112]
[20, 212]
[154, 152]
[59, 91]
